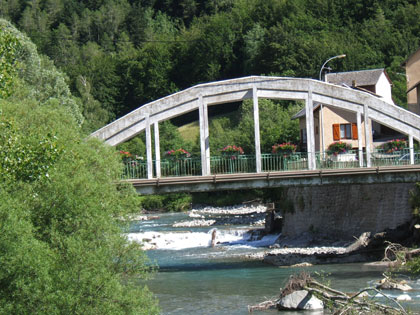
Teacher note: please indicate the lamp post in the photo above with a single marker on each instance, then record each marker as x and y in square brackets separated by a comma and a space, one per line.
[322, 107]
[322, 68]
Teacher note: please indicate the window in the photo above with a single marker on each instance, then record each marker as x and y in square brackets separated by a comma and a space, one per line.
[303, 135]
[344, 131]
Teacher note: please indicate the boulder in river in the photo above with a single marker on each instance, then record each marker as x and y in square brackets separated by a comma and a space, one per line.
[300, 300]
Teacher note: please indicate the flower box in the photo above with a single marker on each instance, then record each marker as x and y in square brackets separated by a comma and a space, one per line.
[346, 157]
[284, 149]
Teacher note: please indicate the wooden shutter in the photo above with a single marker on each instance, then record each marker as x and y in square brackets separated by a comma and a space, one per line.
[336, 132]
[354, 131]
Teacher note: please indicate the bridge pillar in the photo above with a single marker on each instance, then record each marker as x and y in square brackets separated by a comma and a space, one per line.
[411, 146]
[204, 136]
[157, 149]
[368, 138]
[257, 129]
[359, 137]
[310, 137]
[149, 149]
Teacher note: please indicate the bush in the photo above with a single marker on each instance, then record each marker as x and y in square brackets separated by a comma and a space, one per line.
[169, 202]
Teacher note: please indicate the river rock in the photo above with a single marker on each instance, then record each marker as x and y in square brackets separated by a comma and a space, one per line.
[386, 284]
[300, 300]
[403, 297]
[304, 264]
[194, 223]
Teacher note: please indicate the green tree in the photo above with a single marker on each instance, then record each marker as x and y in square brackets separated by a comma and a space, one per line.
[9, 47]
[62, 248]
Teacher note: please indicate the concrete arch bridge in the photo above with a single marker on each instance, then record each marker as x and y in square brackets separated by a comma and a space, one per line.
[265, 170]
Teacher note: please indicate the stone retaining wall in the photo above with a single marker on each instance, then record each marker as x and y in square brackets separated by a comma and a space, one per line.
[344, 211]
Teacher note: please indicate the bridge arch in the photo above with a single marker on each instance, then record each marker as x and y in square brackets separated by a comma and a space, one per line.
[308, 90]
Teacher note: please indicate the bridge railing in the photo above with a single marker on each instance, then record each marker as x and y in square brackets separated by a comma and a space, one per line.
[384, 158]
[232, 164]
[284, 162]
[326, 160]
[134, 169]
[182, 167]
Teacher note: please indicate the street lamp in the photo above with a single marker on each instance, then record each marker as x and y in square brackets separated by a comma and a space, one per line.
[322, 68]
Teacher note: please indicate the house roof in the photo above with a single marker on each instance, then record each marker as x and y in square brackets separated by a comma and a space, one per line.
[362, 78]
[302, 112]
[409, 57]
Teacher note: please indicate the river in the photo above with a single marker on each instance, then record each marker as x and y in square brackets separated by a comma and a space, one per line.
[194, 278]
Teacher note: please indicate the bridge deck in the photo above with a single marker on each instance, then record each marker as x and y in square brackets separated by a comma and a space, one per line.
[380, 174]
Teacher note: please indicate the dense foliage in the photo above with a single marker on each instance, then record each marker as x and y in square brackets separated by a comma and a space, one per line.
[120, 54]
[61, 247]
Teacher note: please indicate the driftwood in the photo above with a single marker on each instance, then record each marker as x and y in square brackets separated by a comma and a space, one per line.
[338, 302]
[398, 255]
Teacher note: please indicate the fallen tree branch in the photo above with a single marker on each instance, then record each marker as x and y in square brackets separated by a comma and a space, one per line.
[339, 302]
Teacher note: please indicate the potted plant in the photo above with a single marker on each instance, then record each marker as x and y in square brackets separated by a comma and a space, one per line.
[284, 149]
[232, 151]
[125, 156]
[177, 155]
[340, 151]
[394, 145]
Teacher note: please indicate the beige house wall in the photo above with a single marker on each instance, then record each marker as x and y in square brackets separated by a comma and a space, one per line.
[412, 69]
[332, 116]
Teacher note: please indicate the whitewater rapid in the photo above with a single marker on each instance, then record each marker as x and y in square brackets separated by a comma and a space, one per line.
[189, 239]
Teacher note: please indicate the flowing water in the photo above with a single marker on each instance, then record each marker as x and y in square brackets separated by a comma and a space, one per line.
[195, 278]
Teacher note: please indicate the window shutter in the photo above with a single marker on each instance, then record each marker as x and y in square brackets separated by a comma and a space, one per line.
[336, 132]
[354, 131]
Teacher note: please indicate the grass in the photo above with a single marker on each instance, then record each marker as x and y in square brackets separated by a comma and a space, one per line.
[190, 132]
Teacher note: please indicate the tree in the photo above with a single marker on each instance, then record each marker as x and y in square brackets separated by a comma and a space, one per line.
[61, 247]
[9, 46]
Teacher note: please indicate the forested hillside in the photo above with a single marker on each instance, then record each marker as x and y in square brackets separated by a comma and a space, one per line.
[119, 54]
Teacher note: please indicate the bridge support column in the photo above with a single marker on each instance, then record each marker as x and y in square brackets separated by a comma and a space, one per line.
[368, 139]
[411, 146]
[204, 136]
[321, 124]
[157, 149]
[149, 149]
[257, 129]
[359, 137]
[310, 137]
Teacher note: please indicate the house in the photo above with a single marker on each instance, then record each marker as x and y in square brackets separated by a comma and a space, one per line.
[412, 70]
[332, 124]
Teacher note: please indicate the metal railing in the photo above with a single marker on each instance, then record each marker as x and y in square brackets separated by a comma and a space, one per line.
[134, 169]
[284, 162]
[336, 161]
[232, 164]
[269, 163]
[182, 167]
